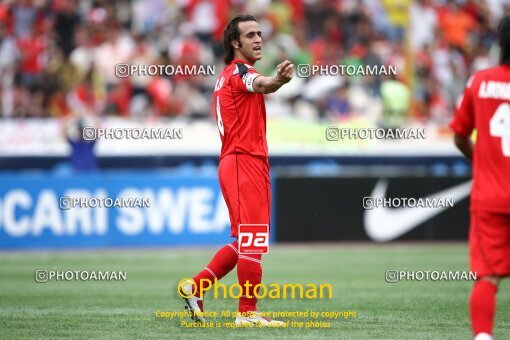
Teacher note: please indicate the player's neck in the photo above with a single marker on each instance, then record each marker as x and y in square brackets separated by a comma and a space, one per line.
[243, 59]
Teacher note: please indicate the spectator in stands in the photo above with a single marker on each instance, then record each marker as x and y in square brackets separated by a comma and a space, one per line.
[82, 157]
[337, 103]
[396, 98]
[48, 47]
[9, 56]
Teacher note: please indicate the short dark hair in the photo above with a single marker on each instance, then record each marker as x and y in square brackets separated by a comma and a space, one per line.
[231, 32]
[504, 40]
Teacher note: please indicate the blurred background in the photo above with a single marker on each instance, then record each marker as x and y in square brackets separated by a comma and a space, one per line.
[57, 75]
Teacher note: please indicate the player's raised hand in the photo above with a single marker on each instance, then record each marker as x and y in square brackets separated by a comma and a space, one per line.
[284, 72]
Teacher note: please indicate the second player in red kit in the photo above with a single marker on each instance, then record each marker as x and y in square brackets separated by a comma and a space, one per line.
[485, 106]
[244, 169]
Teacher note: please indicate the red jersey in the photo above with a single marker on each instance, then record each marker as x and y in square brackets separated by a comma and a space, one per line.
[485, 106]
[32, 50]
[240, 112]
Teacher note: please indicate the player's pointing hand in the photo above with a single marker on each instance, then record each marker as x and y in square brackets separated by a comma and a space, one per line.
[284, 72]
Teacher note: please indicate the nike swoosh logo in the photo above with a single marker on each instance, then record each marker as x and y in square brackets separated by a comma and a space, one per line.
[385, 224]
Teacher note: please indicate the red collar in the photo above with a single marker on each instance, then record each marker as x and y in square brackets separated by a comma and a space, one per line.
[241, 62]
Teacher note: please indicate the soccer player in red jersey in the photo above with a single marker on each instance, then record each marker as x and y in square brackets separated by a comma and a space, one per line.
[244, 169]
[485, 106]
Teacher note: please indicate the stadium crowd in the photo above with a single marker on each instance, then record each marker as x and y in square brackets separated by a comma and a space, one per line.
[58, 56]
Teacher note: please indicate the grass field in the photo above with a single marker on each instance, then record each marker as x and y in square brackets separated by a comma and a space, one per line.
[404, 310]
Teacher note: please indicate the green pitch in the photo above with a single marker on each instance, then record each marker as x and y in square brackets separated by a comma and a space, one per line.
[404, 310]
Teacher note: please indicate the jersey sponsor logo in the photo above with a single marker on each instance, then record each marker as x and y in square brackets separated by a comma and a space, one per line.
[385, 224]
[253, 238]
[494, 90]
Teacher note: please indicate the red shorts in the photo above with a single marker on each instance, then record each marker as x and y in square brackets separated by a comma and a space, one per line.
[246, 188]
[489, 244]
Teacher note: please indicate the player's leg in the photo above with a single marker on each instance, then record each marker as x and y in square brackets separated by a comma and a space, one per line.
[192, 292]
[482, 306]
[482, 302]
[225, 258]
[254, 208]
[489, 244]
[249, 270]
[221, 264]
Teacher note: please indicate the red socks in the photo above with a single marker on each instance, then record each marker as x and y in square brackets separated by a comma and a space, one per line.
[222, 263]
[482, 306]
[249, 270]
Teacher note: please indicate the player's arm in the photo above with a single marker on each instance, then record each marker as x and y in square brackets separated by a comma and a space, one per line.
[463, 120]
[465, 145]
[264, 85]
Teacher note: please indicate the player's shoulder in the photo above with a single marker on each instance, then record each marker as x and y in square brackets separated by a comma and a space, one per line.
[493, 73]
[240, 76]
[237, 68]
[241, 69]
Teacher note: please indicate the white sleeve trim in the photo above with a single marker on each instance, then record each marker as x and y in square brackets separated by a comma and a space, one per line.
[248, 80]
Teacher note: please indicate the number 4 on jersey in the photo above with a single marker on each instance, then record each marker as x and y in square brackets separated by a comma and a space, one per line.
[218, 113]
[500, 127]
[217, 87]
